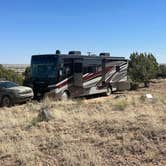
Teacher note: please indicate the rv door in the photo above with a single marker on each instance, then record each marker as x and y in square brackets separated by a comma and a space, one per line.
[78, 73]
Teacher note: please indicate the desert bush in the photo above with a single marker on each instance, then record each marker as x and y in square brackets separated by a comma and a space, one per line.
[26, 74]
[121, 105]
[10, 75]
[142, 67]
[134, 86]
[162, 71]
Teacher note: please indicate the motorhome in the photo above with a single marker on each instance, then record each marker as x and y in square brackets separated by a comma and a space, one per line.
[75, 75]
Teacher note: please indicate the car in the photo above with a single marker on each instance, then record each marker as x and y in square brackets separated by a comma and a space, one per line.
[11, 93]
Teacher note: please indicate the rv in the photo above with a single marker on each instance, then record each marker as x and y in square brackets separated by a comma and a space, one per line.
[75, 75]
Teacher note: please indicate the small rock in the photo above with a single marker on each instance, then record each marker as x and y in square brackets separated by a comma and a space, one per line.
[119, 96]
[149, 96]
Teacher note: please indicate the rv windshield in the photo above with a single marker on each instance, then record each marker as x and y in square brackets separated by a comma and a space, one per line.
[44, 66]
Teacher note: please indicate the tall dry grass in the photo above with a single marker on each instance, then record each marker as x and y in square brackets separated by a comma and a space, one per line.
[102, 131]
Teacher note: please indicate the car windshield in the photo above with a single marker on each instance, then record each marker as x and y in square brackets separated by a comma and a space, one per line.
[8, 84]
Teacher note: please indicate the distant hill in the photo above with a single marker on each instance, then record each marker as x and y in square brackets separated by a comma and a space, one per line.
[19, 68]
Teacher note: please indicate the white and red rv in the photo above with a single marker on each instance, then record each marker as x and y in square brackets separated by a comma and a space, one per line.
[75, 75]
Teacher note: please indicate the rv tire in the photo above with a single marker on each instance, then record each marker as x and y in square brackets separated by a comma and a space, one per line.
[65, 96]
[109, 91]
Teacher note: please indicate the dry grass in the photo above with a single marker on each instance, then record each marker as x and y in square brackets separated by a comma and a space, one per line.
[102, 131]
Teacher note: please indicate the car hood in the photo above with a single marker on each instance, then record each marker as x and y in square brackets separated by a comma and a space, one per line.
[21, 89]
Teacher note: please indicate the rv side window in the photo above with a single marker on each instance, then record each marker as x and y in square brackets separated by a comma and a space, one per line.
[92, 69]
[78, 67]
[85, 70]
[68, 70]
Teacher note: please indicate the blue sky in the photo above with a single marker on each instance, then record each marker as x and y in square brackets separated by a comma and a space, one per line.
[118, 26]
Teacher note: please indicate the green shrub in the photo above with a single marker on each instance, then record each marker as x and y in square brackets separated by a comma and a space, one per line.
[121, 105]
[10, 75]
[142, 68]
[134, 86]
[162, 71]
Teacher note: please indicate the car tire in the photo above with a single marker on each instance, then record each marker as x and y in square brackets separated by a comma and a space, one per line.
[6, 101]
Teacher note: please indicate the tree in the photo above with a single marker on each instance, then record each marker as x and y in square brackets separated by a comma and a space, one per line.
[26, 76]
[162, 71]
[142, 67]
[27, 72]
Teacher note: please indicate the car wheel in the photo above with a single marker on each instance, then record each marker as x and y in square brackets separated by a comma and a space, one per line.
[6, 101]
[64, 96]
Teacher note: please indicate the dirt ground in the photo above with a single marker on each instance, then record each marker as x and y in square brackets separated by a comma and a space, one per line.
[123, 129]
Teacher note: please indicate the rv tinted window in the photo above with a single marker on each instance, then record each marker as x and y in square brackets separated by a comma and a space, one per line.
[92, 69]
[78, 67]
[68, 69]
[44, 59]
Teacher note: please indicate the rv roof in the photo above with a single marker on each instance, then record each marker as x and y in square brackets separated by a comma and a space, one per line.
[83, 56]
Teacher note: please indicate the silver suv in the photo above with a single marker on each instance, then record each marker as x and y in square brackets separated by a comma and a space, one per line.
[11, 93]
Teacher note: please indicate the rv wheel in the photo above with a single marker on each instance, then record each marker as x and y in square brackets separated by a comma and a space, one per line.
[64, 96]
[109, 91]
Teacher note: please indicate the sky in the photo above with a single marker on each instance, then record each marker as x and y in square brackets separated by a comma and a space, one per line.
[120, 27]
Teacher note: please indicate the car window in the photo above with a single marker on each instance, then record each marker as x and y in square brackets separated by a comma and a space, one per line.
[2, 85]
[8, 84]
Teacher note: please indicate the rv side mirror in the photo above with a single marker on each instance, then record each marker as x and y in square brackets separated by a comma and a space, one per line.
[67, 71]
[60, 72]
